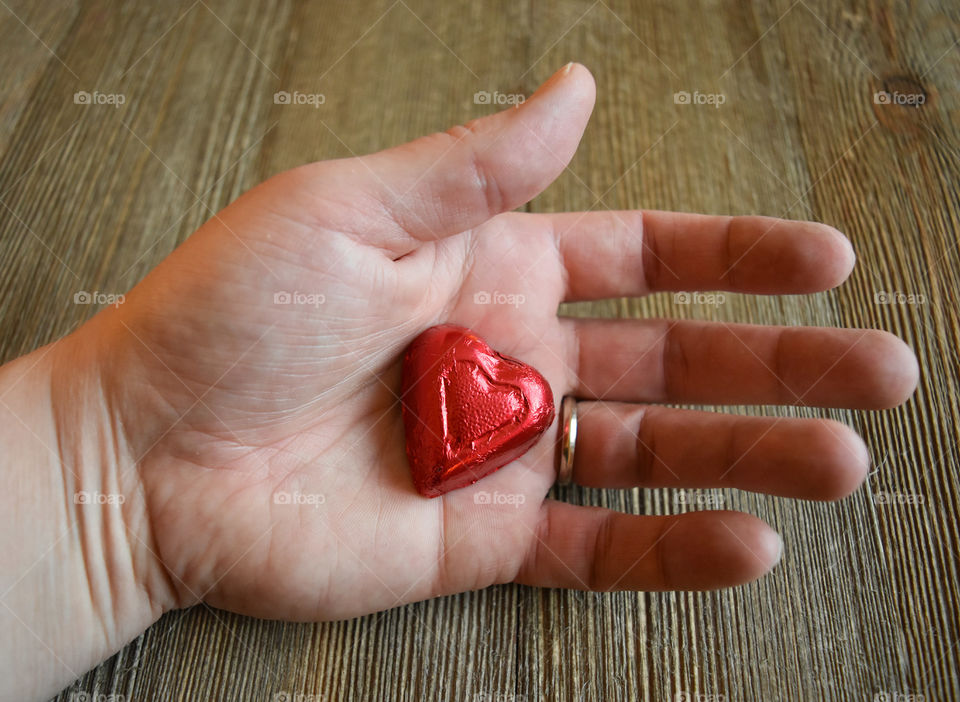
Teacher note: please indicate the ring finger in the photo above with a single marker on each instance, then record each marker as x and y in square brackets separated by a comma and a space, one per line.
[626, 445]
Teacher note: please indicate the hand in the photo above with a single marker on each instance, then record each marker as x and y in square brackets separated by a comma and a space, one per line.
[254, 374]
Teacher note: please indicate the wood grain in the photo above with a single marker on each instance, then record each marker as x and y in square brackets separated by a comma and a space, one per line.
[865, 599]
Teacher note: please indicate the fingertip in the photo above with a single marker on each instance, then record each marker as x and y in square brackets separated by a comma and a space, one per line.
[895, 369]
[843, 255]
[788, 257]
[718, 549]
[572, 90]
[772, 546]
[747, 546]
[840, 459]
[581, 80]
[826, 256]
[572, 75]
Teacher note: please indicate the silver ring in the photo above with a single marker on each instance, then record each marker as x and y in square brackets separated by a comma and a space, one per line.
[568, 439]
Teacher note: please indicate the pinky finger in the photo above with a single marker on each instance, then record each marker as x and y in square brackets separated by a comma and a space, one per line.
[591, 548]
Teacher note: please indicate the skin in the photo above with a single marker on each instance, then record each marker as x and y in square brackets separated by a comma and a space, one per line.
[203, 402]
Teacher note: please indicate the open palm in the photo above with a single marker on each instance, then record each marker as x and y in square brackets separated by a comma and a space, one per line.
[256, 375]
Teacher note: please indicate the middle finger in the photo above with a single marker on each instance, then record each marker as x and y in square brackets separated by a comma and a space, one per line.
[654, 360]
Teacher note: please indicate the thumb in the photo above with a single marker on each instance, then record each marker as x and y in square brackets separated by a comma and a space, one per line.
[450, 181]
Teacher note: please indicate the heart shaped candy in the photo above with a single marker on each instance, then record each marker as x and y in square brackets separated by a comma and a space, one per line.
[467, 410]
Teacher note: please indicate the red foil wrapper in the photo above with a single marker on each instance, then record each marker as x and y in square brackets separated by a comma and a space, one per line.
[467, 410]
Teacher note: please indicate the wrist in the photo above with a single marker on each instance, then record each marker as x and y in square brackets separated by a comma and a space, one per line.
[81, 578]
[99, 459]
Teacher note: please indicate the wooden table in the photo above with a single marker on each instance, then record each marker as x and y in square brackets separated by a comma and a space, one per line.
[865, 601]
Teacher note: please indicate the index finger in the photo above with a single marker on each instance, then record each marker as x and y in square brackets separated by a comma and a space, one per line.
[632, 252]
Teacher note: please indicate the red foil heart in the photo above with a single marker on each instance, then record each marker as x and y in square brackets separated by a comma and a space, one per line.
[467, 410]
